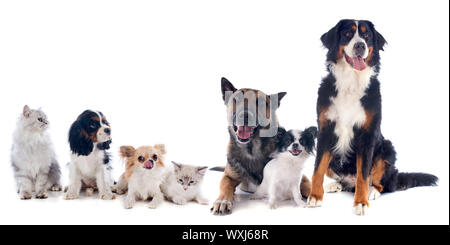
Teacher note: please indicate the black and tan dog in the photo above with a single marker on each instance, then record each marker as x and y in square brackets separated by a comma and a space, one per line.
[254, 134]
[351, 148]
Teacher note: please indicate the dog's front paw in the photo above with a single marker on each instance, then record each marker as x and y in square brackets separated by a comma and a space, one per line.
[42, 195]
[373, 193]
[222, 207]
[360, 209]
[70, 196]
[312, 202]
[107, 196]
[333, 187]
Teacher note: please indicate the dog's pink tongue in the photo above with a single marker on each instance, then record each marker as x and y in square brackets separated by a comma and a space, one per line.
[148, 164]
[244, 132]
[358, 63]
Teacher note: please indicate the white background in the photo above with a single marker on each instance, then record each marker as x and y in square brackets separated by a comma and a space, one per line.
[154, 69]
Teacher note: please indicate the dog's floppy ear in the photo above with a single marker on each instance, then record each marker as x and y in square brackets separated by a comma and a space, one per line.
[80, 144]
[127, 151]
[307, 139]
[161, 148]
[377, 37]
[330, 39]
[227, 89]
[279, 96]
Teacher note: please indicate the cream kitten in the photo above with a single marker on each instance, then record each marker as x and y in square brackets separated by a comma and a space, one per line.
[183, 184]
[33, 159]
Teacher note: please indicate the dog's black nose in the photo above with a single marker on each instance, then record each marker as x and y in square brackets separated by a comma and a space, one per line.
[359, 47]
[108, 130]
[295, 145]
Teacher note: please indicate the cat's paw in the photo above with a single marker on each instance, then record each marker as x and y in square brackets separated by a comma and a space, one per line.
[203, 201]
[179, 200]
[56, 187]
[42, 195]
[25, 195]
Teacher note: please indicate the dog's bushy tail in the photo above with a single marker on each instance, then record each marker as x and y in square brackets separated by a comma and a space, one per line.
[395, 181]
[409, 180]
[219, 169]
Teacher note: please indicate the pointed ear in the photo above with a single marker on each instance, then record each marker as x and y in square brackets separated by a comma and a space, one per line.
[202, 170]
[80, 144]
[161, 148]
[176, 166]
[227, 89]
[279, 97]
[127, 151]
[26, 111]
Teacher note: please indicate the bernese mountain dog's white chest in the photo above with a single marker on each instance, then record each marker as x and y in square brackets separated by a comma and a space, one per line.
[346, 109]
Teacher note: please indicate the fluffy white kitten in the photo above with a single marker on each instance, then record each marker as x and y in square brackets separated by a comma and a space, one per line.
[283, 174]
[183, 184]
[32, 156]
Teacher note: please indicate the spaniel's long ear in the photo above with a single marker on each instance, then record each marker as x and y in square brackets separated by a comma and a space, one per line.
[79, 143]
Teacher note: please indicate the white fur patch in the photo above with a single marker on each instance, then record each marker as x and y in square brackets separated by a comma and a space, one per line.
[346, 109]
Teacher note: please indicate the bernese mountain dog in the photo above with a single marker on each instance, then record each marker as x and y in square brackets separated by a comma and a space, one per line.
[351, 148]
[89, 139]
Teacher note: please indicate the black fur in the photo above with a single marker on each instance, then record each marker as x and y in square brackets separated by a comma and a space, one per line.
[307, 139]
[370, 143]
[80, 144]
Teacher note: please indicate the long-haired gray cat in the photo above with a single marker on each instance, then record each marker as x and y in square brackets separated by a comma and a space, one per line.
[33, 159]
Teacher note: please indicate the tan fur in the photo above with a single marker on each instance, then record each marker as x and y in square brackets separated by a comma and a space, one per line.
[368, 121]
[377, 173]
[317, 178]
[131, 155]
[305, 186]
[362, 185]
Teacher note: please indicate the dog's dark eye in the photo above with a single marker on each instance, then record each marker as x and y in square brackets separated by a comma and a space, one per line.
[347, 34]
[40, 119]
[191, 182]
[155, 157]
[180, 180]
[366, 35]
[141, 158]
[92, 126]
